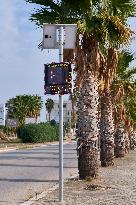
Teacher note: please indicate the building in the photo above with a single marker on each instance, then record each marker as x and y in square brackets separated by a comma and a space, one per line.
[67, 109]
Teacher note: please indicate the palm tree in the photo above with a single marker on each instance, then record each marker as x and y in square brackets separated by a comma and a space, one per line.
[35, 104]
[130, 106]
[101, 25]
[23, 106]
[17, 109]
[49, 106]
[123, 87]
[106, 108]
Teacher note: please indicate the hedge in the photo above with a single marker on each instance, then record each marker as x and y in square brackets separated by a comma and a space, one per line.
[42, 132]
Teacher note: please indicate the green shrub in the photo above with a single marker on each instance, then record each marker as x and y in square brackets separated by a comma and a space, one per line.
[42, 132]
[2, 127]
[53, 122]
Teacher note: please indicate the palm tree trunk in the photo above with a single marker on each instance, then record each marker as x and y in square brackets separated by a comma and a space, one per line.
[49, 116]
[88, 62]
[36, 118]
[119, 140]
[88, 128]
[106, 129]
[127, 142]
[132, 141]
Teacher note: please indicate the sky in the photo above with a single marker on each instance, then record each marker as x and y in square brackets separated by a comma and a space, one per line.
[21, 62]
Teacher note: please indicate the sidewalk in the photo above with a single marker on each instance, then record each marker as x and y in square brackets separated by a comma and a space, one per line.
[116, 186]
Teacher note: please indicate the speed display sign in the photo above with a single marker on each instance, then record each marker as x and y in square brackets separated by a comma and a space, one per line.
[58, 78]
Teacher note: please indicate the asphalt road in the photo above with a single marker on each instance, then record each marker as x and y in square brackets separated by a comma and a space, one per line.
[23, 173]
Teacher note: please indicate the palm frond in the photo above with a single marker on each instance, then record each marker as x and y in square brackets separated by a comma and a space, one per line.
[125, 59]
[123, 8]
[129, 73]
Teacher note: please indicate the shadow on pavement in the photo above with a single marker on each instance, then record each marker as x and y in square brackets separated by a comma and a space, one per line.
[35, 158]
[28, 180]
[28, 165]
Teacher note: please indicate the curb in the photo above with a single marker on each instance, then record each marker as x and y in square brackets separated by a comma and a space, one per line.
[7, 150]
[43, 194]
[40, 196]
[17, 148]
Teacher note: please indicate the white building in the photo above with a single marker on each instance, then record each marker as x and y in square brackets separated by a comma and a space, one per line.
[67, 109]
[2, 114]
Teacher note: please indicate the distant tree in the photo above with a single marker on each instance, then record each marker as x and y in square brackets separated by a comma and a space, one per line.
[49, 106]
[35, 105]
[23, 106]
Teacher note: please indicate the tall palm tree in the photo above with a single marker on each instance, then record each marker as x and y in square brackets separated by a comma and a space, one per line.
[106, 109]
[130, 106]
[123, 87]
[49, 106]
[101, 25]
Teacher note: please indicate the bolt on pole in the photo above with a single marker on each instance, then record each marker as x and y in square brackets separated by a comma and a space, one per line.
[61, 41]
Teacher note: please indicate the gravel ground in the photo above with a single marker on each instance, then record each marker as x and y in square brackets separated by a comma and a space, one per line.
[116, 186]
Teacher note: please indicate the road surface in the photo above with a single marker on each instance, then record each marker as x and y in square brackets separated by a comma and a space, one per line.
[23, 173]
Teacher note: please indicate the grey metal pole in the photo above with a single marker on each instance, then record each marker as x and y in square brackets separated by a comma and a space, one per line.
[61, 40]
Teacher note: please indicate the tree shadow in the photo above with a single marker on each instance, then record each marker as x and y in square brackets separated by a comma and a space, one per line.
[37, 153]
[32, 166]
[29, 180]
[35, 158]
[4, 201]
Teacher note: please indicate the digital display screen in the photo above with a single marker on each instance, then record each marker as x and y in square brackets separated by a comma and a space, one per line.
[57, 74]
[57, 78]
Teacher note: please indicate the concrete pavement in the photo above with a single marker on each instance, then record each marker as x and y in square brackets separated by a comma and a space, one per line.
[26, 173]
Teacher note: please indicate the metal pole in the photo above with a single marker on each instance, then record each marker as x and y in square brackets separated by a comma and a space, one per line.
[61, 37]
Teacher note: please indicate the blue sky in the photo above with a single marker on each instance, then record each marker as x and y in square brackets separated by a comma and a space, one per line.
[21, 61]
